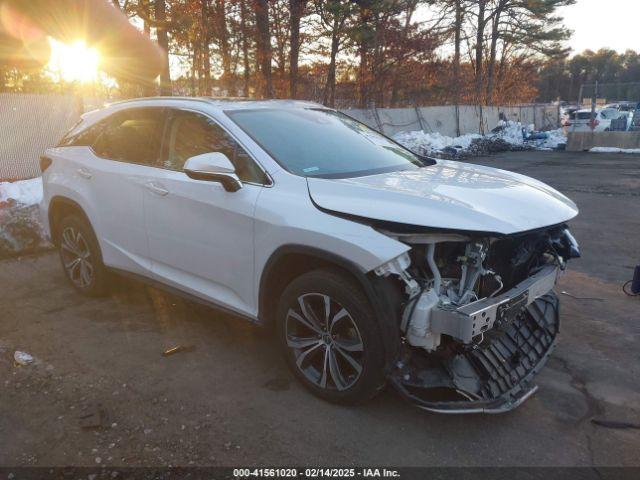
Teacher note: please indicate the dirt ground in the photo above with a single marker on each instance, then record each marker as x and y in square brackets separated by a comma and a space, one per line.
[102, 393]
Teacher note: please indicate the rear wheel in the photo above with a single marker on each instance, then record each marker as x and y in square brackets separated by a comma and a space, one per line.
[329, 336]
[80, 256]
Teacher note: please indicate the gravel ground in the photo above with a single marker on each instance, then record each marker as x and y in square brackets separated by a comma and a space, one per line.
[101, 393]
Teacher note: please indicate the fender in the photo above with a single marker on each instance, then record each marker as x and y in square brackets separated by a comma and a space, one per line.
[379, 291]
[59, 199]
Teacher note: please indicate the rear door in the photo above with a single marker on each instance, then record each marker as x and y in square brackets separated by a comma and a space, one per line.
[122, 155]
[200, 235]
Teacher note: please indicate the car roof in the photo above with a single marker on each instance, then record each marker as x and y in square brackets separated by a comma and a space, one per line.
[224, 103]
[597, 110]
[93, 116]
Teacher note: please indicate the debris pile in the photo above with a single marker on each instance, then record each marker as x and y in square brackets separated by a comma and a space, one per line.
[20, 228]
[507, 136]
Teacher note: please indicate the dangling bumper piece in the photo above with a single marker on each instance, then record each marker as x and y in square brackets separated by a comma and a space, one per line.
[493, 376]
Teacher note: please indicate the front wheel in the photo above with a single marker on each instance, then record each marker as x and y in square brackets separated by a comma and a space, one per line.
[330, 339]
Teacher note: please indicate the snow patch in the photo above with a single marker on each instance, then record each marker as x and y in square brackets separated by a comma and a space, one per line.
[25, 192]
[428, 143]
[614, 150]
[506, 136]
[555, 138]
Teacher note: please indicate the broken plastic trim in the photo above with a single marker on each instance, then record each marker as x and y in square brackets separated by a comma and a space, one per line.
[495, 376]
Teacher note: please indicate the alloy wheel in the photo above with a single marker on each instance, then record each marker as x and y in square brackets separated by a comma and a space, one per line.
[76, 257]
[325, 341]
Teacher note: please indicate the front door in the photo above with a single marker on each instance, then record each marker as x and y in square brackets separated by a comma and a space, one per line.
[200, 235]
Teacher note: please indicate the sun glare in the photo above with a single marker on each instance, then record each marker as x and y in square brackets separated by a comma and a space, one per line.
[74, 62]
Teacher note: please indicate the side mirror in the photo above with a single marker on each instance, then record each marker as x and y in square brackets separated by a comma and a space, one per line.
[213, 167]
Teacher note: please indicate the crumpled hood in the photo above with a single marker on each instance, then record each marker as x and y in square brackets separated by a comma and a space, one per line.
[448, 195]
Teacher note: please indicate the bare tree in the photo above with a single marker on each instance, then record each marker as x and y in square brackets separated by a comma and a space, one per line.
[244, 33]
[263, 46]
[296, 11]
[163, 41]
[334, 16]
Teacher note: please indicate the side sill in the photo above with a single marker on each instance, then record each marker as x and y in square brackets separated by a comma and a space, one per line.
[186, 295]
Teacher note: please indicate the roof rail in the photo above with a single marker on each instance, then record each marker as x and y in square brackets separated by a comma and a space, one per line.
[142, 99]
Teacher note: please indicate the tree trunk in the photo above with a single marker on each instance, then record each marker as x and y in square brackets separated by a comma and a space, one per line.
[206, 54]
[194, 66]
[363, 53]
[163, 41]
[245, 47]
[377, 76]
[148, 88]
[397, 70]
[456, 63]
[263, 47]
[362, 75]
[479, 49]
[495, 33]
[225, 53]
[329, 98]
[296, 9]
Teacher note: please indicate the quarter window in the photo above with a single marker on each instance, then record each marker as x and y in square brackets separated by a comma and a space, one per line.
[192, 134]
[132, 136]
[82, 137]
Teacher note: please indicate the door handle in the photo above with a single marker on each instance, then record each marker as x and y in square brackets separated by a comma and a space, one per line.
[158, 190]
[84, 173]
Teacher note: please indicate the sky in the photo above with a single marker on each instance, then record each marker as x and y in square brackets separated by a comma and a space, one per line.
[602, 23]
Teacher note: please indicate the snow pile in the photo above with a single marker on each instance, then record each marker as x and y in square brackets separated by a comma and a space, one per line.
[26, 192]
[614, 150]
[20, 228]
[507, 136]
[429, 143]
[512, 133]
[555, 139]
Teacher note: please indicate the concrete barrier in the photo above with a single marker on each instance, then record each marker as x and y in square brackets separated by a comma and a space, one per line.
[442, 119]
[583, 141]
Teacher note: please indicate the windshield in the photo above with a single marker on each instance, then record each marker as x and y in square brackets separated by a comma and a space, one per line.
[323, 143]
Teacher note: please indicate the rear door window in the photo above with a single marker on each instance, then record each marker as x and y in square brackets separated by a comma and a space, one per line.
[134, 136]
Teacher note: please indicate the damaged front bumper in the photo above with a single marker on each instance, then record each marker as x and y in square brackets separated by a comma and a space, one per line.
[493, 376]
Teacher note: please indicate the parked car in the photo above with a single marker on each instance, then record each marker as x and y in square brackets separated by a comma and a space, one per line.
[581, 121]
[374, 265]
[634, 123]
[623, 106]
[565, 113]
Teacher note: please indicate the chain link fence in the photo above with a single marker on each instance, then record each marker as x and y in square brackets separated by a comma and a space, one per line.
[30, 123]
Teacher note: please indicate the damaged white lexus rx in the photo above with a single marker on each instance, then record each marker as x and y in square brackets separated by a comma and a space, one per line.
[375, 265]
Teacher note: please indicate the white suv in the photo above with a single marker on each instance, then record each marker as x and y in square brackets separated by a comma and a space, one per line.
[374, 264]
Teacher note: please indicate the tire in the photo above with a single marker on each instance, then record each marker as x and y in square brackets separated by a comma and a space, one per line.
[81, 257]
[344, 363]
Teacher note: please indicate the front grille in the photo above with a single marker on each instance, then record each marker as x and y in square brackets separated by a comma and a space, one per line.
[510, 353]
[494, 377]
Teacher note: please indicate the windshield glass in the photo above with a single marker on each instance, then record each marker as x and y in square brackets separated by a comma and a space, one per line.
[323, 143]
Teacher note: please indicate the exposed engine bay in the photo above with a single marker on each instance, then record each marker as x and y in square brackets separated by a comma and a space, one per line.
[479, 316]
